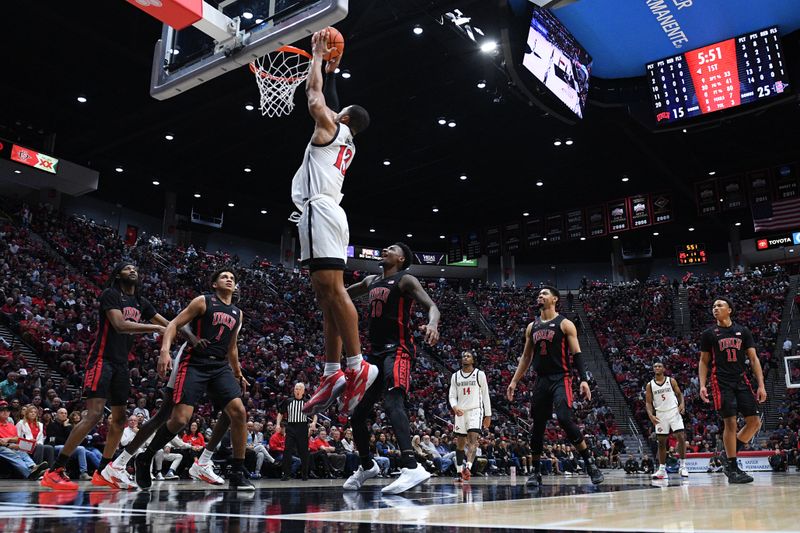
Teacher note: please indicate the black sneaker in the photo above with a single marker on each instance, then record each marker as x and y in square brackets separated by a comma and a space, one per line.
[534, 481]
[595, 474]
[238, 480]
[38, 470]
[143, 477]
[738, 476]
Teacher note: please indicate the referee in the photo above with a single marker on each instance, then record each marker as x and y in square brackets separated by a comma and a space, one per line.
[296, 431]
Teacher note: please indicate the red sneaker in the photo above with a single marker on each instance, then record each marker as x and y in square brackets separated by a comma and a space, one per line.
[330, 388]
[58, 479]
[465, 473]
[359, 380]
[100, 481]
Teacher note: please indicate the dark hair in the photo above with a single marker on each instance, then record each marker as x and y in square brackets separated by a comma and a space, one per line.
[359, 119]
[113, 281]
[552, 290]
[407, 254]
[219, 272]
[726, 300]
[474, 357]
[659, 362]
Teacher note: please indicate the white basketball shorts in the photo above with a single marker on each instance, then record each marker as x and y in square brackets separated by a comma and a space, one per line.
[471, 420]
[668, 421]
[324, 235]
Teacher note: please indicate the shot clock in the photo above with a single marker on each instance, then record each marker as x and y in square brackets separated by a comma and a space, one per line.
[741, 70]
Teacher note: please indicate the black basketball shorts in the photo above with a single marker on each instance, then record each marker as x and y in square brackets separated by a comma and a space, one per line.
[192, 382]
[732, 398]
[108, 380]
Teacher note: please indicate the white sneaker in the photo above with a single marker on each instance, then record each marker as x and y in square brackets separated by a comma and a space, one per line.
[684, 471]
[661, 473]
[356, 481]
[409, 478]
[119, 476]
[205, 473]
[171, 475]
[160, 477]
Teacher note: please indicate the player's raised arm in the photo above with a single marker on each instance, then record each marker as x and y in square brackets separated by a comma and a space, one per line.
[360, 288]
[410, 285]
[324, 117]
[524, 364]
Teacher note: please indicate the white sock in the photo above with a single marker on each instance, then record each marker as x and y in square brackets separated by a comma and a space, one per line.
[683, 463]
[331, 368]
[354, 362]
[205, 457]
[469, 465]
[122, 460]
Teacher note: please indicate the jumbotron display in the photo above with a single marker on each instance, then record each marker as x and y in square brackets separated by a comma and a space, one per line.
[719, 76]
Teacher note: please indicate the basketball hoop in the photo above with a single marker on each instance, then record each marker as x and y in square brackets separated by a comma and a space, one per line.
[277, 75]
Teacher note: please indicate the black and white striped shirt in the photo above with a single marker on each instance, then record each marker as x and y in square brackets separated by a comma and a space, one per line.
[294, 408]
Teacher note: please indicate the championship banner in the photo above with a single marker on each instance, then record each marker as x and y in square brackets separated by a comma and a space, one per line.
[554, 227]
[707, 197]
[785, 182]
[576, 225]
[473, 245]
[662, 207]
[732, 193]
[512, 237]
[534, 231]
[617, 216]
[759, 186]
[454, 251]
[640, 211]
[596, 220]
[493, 240]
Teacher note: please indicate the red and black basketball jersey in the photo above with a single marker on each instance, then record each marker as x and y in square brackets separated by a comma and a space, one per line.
[110, 345]
[390, 314]
[549, 347]
[217, 325]
[728, 348]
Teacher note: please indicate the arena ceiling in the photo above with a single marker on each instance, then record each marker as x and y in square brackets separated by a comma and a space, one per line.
[103, 50]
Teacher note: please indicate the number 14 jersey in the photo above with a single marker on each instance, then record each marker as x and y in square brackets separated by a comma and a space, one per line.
[728, 348]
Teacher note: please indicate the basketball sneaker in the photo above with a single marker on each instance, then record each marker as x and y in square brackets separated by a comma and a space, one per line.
[205, 473]
[739, 476]
[144, 478]
[118, 476]
[356, 481]
[358, 381]
[409, 478]
[58, 479]
[661, 473]
[237, 480]
[684, 471]
[465, 474]
[100, 481]
[330, 388]
[595, 474]
[534, 480]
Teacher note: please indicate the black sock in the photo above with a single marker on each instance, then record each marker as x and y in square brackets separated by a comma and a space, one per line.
[366, 461]
[460, 457]
[732, 463]
[161, 438]
[237, 465]
[61, 461]
[586, 455]
[536, 466]
[740, 444]
[104, 462]
[409, 460]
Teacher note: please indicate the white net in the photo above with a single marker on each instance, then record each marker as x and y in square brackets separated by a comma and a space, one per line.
[277, 75]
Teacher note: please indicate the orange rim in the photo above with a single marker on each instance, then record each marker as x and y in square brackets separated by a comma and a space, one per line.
[286, 49]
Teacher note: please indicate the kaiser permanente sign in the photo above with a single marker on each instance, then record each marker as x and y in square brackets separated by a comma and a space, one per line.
[779, 241]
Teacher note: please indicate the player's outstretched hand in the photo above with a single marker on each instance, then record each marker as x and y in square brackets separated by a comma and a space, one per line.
[319, 43]
[586, 391]
[164, 364]
[704, 394]
[332, 64]
[761, 395]
[510, 391]
[431, 334]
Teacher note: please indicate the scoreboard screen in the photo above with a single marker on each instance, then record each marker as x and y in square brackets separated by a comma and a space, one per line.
[741, 70]
[692, 254]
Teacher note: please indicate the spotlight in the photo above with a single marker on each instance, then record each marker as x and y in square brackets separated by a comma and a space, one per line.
[17, 172]
[451, 124]
[441, 236]
[655, 234]
[712, 172]
[372, 230]
[625, 179]
[684, 130]
[738, 224]
[386, 162]
[488, 47]
[337, 70]
[525, 214]
[346, 74]
[442, 121]
[435, 209]
[539, 183]
[482, 84]
[442, 270]
[82, 99]
[569, 142]
[169, 136]
[118, 169]
[263, 211]
[615, 237]
[583, 238]
[156, 183]
[248, 169]
[417, 30]
[463, 177]
[197, 195]
[544, 238]
[259, 21]
[557, 142]
[247, 15]
[409, 235]
[691, 229]
[231, 204]
[249, 106]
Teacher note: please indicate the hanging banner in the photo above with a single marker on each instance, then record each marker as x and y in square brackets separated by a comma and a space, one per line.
[639, 206]
[662, 207]
[596, 220]
[512, 237]
[454, 250]
[534, 231]
[785, 181]
[731, 191]
[576, 224]
[473, 245]
[759, 186]
[493, 240]
[707, 197]
[617, 216]
[554, 227]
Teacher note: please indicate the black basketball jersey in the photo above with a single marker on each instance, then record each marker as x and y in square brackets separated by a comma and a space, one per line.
[728, 348]
[110, 345]
[390, 314]
[549, 347]
[217, 324]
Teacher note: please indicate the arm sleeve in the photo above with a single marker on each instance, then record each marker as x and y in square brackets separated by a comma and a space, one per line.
[329, 92]
[487, 402]
[453, 392]
[110, 299]
[582, 372]
[148, 311]
[707, 341]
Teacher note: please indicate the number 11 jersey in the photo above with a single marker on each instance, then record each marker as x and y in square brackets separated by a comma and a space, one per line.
[728, 348]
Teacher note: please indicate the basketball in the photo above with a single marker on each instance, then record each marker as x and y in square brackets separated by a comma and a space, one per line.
[335, 42]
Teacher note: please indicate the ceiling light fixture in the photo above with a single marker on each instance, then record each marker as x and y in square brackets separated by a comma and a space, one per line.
[118, 169]
[482, 84]
[249, 106]
[17, 172]
[409, 235]
[569, 142]
[247, 15]
[625, 179]
[435, 209]
[583, 238]
[346, 74]
[539, 183]
[441, 236]
[557, 142]
[655, 234]
[386, 162]
[463, 177]
[259, 21]
[691, 229]
[337, 71]
[263, 211]
[684, 130]
[417, 30]
[156, 183]
[82, 99]
[231, 204]
[372, 230]
[169, 136]
[442, 121]
[248, 169]
[451, 124]
[544, 238]
[615, 237]
[442, 270]
[738, 224]
[488, 47]
[712, 172]
[197, 195]
[526, 214]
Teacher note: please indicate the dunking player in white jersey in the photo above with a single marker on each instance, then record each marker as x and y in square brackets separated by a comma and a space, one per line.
[324, 235]
[469, 398]
[664, 403]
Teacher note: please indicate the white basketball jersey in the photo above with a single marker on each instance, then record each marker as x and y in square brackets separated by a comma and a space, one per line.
[470, 391]
[323, 168]
[664, 398]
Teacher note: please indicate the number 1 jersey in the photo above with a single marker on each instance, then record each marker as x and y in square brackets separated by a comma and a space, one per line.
[728, 348]
[323, 168]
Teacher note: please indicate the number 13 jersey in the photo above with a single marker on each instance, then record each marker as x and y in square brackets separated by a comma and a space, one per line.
[728, 348]
[323, 168]
[390, 314]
